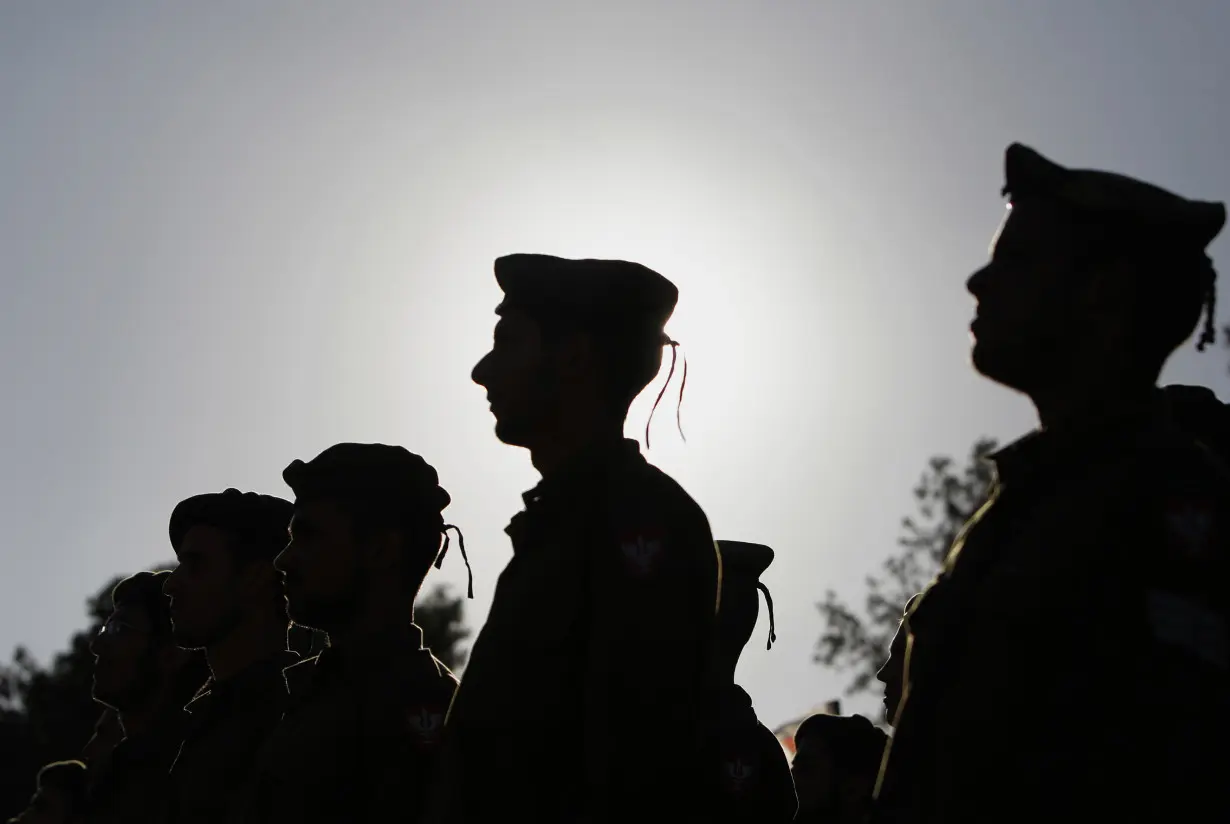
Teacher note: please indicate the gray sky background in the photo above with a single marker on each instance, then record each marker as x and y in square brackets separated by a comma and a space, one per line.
[232, 234]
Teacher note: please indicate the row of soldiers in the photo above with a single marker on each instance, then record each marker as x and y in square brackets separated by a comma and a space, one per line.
[1071, 658]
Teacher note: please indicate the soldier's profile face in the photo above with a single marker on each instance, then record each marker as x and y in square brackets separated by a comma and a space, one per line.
[320, 566]
[203, 589]
[1029, 300]
[514, 375]
[123, 652]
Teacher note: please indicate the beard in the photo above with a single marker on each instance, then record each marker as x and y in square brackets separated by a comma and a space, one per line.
[325, 613]
[206, 634]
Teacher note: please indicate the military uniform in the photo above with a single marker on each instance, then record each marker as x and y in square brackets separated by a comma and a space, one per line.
[229, 722]
[132, 786]
[585, 690]
[588, 691]
[755, 783]
[1071, 658]
[359, 738]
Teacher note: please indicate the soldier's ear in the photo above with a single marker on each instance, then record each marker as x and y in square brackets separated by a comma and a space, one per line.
[382, 550]
[574, 356]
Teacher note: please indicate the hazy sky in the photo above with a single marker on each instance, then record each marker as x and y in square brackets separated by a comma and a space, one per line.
[233, 234]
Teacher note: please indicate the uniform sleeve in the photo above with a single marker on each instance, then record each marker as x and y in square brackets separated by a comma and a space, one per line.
[1181, 609]
[654, 590]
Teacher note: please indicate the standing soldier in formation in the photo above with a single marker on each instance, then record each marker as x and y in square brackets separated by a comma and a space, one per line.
[755, 775]
[589, 690]
[1071, 658]
[359, 738]
[59, 795]
[147, 679]
[227, 599]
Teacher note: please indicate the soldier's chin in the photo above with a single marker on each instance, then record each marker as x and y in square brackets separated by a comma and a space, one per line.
[314, 614]
[188, 638]
[511, 432]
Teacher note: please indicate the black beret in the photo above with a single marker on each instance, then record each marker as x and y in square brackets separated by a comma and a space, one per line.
[258, 521]
[144, 591]
[849, 737]
[596, 295]
[387, 477]
[1116, 198]
[744, 561]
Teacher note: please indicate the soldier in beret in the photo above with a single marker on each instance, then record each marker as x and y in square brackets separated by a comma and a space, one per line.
[612, 587]
[358, 741]
[755, 775]
[140, 673]
[836, 759]
[1071, 657]
[59, 797]
[227, 599]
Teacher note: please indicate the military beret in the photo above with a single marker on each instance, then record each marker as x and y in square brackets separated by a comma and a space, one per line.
[389, 477]
[742, 565]
[1137, 205]
[598, 295]
[743, 560]
[258, 521]
[851, 737]
[144, 591]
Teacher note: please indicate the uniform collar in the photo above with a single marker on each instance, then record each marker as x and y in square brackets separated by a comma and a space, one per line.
[1045, 453]
[576, 473]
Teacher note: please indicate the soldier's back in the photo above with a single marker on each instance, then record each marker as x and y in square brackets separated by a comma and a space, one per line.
[228, 725]
[358, 740]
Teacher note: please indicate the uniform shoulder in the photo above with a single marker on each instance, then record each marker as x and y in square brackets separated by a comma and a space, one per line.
[644, 489]
[299, 676]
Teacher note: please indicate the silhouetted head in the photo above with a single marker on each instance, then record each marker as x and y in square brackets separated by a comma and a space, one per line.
[60, 795]
[365, 516]
[574, 338]
[225, 543]
[836, 761]
[134, 652]
[739, 603]
[1089, 271]
[892, 673]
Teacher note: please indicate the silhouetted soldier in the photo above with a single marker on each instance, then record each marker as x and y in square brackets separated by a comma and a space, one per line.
[836, 760]
[587, 692]
[755, 778]
[892, 673]
[147, 679]
[59, 797]
[1070, 659]
[227, 599]
[358, 742]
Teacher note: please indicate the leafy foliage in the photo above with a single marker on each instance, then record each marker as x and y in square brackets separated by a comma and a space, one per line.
[857, 641]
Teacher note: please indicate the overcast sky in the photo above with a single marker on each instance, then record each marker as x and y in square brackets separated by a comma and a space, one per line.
[233, 234]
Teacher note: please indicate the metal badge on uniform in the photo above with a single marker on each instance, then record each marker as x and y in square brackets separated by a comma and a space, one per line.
[1190, 526]
[1188, 624]
[426, 723]
[641, 550]
[738, 774]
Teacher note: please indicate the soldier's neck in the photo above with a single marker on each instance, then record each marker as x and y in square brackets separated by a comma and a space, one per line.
[138, 722]
[1090, 401]
[251, 642]
[383, 617]
[574, 437]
